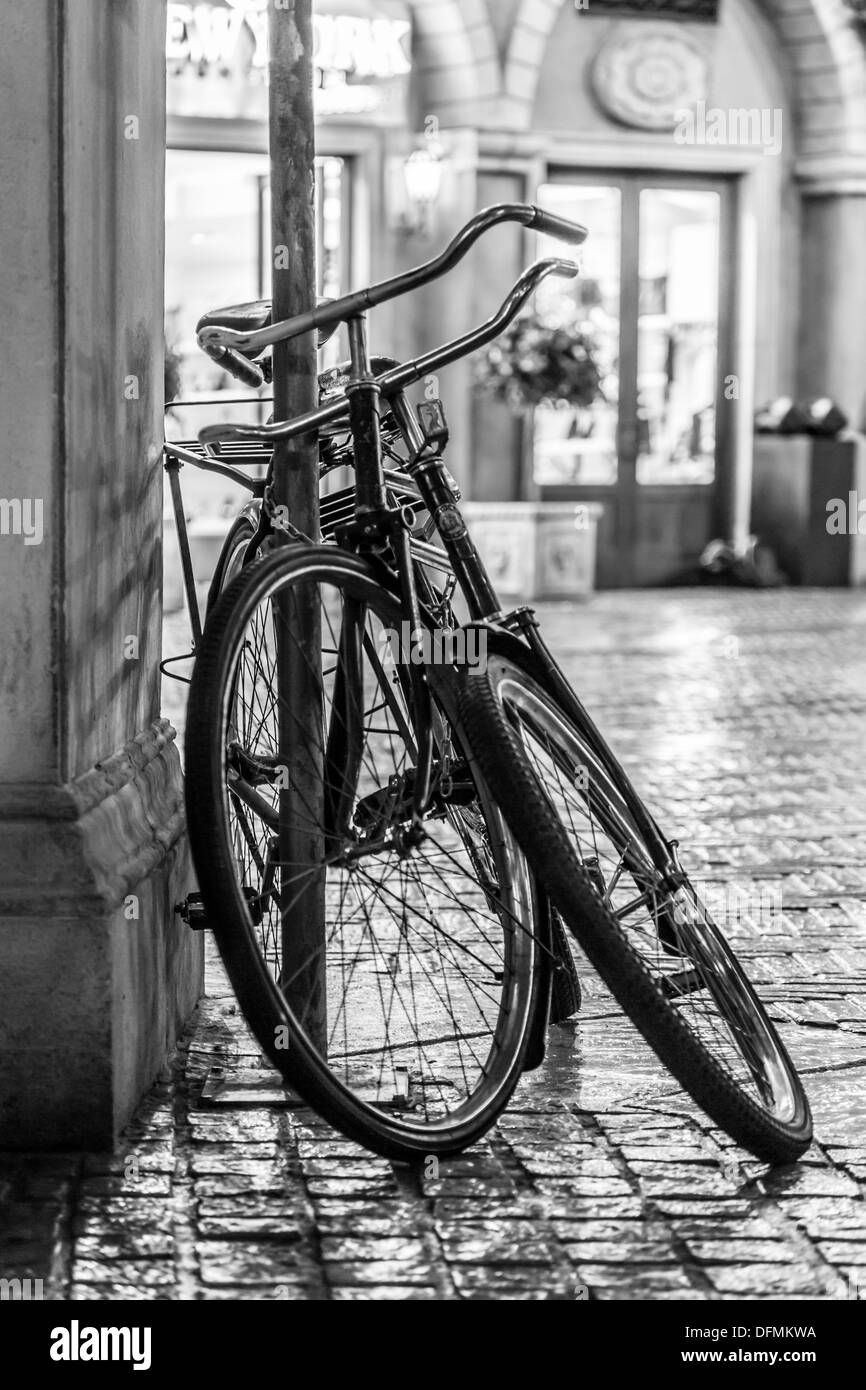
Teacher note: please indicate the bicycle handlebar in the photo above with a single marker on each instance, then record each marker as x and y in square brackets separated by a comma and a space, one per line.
[350, 305]
[234, 362]
[550, 225]
[399, 378]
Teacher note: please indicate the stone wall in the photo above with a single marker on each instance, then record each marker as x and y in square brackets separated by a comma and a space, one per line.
[97, 976]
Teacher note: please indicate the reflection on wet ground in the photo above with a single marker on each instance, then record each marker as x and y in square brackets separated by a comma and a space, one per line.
[742, 717]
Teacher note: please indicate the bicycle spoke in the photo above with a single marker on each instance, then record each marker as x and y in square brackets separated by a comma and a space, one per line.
[420, 938]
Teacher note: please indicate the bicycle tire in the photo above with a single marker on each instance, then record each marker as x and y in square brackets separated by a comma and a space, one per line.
[565, 991]
[504, 708]
[395, 1135]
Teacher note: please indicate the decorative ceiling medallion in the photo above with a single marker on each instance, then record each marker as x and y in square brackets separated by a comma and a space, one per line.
[644, 75]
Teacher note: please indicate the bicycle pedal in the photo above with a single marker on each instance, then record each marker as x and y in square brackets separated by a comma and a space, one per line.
[595, 875]
[192, 912]
[681, 982]
[254, 903]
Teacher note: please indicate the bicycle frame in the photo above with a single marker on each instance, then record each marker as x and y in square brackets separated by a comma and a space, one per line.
[376, 525]
[377, 528]
[523, 693]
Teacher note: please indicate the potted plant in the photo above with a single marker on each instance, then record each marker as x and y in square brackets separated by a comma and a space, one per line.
[549, 370]
[536, 363]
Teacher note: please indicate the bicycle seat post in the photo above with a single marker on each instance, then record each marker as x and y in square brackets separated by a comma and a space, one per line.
[364, 393]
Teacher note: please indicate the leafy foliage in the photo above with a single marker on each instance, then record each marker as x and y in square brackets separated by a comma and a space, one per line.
[534, 364]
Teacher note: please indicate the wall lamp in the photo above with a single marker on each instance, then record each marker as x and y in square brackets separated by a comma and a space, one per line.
[416, 189]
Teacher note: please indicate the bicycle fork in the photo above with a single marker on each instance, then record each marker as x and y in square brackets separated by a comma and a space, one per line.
[376, 525]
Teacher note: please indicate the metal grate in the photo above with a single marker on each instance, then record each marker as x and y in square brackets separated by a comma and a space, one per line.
[238, 453]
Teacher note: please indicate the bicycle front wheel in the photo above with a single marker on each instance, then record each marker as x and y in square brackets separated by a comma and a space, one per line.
[428, 958]
[651, 938]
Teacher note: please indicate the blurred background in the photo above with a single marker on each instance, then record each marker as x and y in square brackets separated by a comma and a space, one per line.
[717, 153]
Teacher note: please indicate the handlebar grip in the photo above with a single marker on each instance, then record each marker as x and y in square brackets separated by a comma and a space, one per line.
[232, 361]
[550, 225]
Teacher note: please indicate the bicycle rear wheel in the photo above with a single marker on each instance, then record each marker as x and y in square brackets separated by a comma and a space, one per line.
[430, 957]
[234, 552]
[651, 938]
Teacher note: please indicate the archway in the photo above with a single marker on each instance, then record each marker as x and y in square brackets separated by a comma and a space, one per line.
[459, 63]
[824, 53]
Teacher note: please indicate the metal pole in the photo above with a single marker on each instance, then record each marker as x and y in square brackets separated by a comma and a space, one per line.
[296, 486]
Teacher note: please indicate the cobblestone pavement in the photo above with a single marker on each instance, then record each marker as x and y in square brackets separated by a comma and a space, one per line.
[743, 716]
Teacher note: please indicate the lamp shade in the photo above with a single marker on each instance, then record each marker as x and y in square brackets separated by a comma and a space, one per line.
[423, 174]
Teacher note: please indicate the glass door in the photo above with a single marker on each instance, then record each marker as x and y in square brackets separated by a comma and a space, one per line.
[650, 305]
[578, 446]
[678, 336]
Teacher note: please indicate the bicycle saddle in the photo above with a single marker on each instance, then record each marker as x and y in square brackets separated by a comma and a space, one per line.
[249, 318]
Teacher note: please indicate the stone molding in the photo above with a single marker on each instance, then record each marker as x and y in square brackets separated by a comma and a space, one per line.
[822, 175]
[93, 839]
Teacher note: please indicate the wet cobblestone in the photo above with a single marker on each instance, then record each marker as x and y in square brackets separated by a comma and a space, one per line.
[743, 718]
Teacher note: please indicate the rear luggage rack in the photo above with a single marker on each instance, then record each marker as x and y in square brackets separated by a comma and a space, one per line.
[229, 458]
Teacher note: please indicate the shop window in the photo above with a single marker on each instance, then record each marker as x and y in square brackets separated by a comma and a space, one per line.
[217, 252]
[647, 301]
[678, 320]
[577, 445]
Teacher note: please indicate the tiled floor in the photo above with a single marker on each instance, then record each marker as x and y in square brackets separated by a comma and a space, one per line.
[743, 718]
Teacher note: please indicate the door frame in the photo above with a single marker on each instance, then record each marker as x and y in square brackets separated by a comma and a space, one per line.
[623, 498]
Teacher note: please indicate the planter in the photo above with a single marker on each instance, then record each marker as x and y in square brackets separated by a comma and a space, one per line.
[805, 498]
[537, 550]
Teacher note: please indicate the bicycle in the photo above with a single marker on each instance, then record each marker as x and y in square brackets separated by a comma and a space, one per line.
[490, 776]
[249, 536]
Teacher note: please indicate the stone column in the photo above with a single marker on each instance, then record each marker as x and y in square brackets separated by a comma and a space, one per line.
[832, 341]
[500, 440]
[97, 974]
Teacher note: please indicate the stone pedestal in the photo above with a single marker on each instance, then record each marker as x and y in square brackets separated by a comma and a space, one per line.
[536, 550]
[97, 975]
